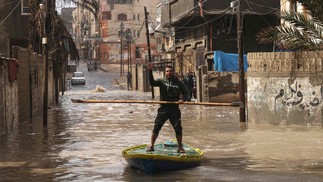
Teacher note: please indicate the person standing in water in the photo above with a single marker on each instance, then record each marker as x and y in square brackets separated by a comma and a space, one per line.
[171, 89]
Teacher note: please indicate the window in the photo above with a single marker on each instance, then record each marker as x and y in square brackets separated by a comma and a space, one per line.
[106, 15]
[199, 56]
[134, 17]
[293, 6]
[138, 16]
[167, 41]
[122, 17]
[121, 1]
[25, 7]
[137, 52]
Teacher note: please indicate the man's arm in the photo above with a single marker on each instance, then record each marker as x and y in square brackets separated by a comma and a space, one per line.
[150, 74]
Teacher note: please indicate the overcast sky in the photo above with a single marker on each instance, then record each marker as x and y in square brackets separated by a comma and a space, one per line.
[60, 4]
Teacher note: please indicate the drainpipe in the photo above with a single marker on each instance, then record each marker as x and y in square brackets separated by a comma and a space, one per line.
[30, 93]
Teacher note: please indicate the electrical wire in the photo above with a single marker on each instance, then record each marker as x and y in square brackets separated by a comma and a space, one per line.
[3, 4]
[248, 3]
[264, 6]
[10, 13]
[224, 12]
[185, 23]
[197, 26]
[190, 10]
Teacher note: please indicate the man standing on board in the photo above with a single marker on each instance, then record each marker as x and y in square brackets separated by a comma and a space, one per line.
[171, 89]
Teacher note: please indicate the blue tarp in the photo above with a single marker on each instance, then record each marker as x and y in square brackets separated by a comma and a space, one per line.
[227, 62]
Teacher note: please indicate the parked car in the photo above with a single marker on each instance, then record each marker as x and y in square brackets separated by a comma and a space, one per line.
[78, 78]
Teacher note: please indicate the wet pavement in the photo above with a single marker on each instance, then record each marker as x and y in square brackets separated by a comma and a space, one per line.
[83, 142]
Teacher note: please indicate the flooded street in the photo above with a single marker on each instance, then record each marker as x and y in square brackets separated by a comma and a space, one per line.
[83, 142]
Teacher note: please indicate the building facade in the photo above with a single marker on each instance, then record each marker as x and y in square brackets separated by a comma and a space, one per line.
[200, 27]
[14, 25]
[286, 87]
[86, 33]
[66, 15]
[192, 30]
[123, 31]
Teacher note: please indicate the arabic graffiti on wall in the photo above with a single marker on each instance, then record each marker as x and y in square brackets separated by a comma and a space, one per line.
[303, 97]
[279, 95]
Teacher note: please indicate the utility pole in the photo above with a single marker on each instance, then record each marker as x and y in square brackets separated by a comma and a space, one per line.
[241, 63]
[45, 43]
[121, 48]
[129, 39]
[148, 48]
[128, 46]
[129, 49]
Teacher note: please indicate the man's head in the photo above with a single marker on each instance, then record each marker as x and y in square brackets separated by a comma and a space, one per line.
[169, 71]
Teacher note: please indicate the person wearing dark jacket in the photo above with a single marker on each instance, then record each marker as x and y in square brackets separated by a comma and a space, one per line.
[171, 89]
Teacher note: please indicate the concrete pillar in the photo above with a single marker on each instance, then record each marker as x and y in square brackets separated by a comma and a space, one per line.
[202, 84]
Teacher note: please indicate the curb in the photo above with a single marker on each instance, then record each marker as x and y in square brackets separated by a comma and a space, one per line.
[103, 69]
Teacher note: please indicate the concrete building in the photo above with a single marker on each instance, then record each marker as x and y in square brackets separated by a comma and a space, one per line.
[191, 30]
[200, 27]
[286, 87]
[86, 33]
[123, 31]
[66, 16]
[14, 25]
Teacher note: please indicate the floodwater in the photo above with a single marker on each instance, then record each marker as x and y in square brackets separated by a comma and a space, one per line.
[83, 142]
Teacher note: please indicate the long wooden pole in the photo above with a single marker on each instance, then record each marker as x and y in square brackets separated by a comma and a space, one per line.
[236, 104]
[148, 48]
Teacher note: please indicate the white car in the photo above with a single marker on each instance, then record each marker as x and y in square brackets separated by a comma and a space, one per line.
[78, 78]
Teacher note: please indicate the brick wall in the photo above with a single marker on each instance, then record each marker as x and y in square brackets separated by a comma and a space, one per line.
[285, 87]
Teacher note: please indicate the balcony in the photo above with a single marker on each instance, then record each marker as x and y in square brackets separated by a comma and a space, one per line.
[177, 11]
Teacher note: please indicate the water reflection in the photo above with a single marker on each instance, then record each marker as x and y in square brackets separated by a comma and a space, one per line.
[83, 142]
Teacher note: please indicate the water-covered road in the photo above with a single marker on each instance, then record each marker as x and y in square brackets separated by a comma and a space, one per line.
[83, 142]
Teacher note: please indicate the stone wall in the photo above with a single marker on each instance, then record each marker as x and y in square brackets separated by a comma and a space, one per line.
[217, 86]
[223, 86]
[29, 83]
[21, 99]
[285, 87]
[8, 99]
